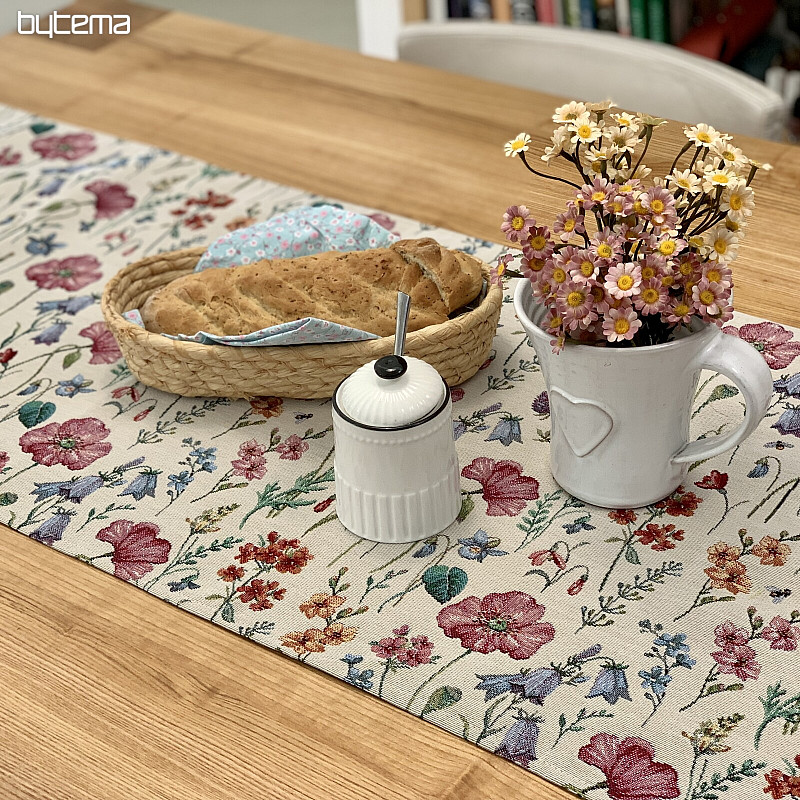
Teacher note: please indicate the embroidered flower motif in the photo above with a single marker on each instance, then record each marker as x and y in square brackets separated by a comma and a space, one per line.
[505, 488]
[505, 621]
[71, 273]
[780, 634]
[773, 341]
[322, 605]
[267, 406]
[772, 552]
[111, 199]
[137, 548]
[292, 448]
[739, 661]
[104, 347]
[309, 641]
[629, 766]
[75, 443]
[70, 147]
[731, 576]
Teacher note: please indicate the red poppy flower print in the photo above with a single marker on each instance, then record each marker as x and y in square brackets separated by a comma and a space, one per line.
[75, 443]
[680, 503]
[505, 488]
[716, 480]
[137, 548]
[631, 773]
[111, 199]
[504, 621]
[773, 341]
[104, 347]
[70, 147]
[8, 157]
[71, 273]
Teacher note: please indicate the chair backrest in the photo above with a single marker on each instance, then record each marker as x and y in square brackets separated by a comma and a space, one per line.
[637, 74]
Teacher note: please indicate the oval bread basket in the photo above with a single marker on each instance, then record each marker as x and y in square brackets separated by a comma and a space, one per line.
[456, 348]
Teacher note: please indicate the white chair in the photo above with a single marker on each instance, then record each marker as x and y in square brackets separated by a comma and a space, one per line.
[637, 74]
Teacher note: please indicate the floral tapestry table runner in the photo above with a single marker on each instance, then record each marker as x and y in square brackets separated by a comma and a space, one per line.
[635, 655]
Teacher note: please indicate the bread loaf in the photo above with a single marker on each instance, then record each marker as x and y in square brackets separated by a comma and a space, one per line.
[357, 288]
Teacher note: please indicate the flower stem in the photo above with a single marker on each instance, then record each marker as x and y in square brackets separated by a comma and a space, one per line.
[432, 677]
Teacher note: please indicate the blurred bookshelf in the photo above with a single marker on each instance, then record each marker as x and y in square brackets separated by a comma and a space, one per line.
[759, 37]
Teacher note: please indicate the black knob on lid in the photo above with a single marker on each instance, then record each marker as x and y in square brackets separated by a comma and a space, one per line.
[390, 366]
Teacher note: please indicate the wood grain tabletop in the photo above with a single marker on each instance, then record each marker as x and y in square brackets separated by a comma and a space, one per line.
[110, 693]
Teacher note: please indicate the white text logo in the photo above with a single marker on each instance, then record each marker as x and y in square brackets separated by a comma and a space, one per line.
[73, 24]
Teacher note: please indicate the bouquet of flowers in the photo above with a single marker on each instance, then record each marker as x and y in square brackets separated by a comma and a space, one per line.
[629, 263]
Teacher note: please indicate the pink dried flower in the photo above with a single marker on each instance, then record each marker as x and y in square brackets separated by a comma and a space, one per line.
[569, 223]
[709, 298]
[621, 324]
[582, 266]
[652, 298]
[538, 244]
[517, 222]
[623, 280]
[596, 193]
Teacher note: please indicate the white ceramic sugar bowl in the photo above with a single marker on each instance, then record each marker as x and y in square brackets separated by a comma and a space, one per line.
[395, 462]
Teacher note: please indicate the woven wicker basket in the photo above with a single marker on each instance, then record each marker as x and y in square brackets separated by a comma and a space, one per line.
[456, 348]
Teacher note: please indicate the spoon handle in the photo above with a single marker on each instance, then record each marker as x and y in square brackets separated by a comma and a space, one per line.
[403, 305]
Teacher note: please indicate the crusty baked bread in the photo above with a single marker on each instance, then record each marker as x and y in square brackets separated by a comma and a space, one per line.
[358, 289]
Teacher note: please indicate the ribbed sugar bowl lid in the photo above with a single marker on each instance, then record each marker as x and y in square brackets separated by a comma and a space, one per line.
[392, 392]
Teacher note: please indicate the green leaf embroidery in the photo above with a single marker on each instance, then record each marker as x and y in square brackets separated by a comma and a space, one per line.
[70, 359]
[467, 504]
[7, 498]
[631, 556]
[227, 612]
[444, 584]
[35, 413]
[443, 697]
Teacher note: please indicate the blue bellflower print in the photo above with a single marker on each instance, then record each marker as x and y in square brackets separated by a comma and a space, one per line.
[143, 484]
[536, 685]
[51, 530]
[52, 334]
[478, 546]
[506, 431]
[760, 469]
[611, 684]
[519, 743]
[495, 685]
[789, 422]
[69, 306]
[788, 386]
[361, 679]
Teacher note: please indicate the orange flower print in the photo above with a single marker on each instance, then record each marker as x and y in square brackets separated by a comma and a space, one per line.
[731, 576]
[337, 633]
[772, 552]
[321, 605]
[310, 641]
[231, 573]
[720, 554]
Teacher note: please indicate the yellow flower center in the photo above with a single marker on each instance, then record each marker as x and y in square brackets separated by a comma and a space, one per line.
[536, 264]
[650, 295]
[575, 299]
[657, 205]
[707, 297]
[538, 242]
[625, 282]
[616, 206]
[729, 155]
[721, 246]
[556, 322]
[584, 131]
[598, 197]
[604, 250]
[626, 188]
[597, 166]
[598, 294]
[569, 225]
[685, 268]
[648, 272]
[681, 310]
[559, 276]
[736, 202]
[501, 268]
[720, 178]
[684, 183]
[587, 268]
[517, 223]
[667, 247]
[714, 275]
[621, 326]
[667, 280]
[639, 208]
[517, 144]
[703, 137]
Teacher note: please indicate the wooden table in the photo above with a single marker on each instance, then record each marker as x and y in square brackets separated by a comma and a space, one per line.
[98, 703]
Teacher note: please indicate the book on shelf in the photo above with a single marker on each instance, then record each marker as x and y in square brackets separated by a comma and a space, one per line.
[606, 15]
[501, 10]
[638, 12]
[456, 9]
[480, 9]
[546, 12]
[587, 14]
[523, 11]
[572, 13]
[657, 21]
[680, 19]
[622, 12]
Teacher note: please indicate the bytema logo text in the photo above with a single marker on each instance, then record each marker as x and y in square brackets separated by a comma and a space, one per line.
[73, 24]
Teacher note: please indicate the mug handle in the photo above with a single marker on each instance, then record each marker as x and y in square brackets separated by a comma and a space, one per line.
[744, 365]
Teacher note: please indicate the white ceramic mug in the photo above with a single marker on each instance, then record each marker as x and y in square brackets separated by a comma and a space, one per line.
[620, 416]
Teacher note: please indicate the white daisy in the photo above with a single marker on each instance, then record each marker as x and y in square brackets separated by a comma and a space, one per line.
[704, 135]
[714, 179]
[722, 244]
[561, 141]
[685, 180]
[732, 156]
[738, 202]
[517, 145]
[584, 131]
[569, 112]
[624, 139]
